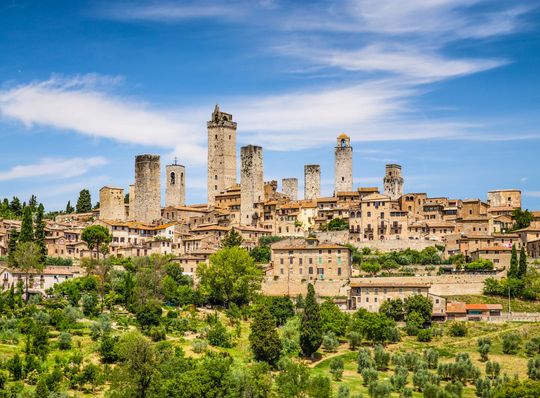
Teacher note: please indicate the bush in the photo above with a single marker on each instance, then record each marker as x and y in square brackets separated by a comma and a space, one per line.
[533, 369]
[149, 314]
[369, 375]
[431, 356]
[381, 389]
[364, 360]
[336, 368]
[532, 347]
[381, 358]
[330, 342]
[354, 340]
[458, 329]
[511, 343]
[64, 341]
[217, 335]
[199, 346]
[424, 335]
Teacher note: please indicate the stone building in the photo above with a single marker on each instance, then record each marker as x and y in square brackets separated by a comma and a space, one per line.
[175, 191]
[147, 189]
[370, 295]
[343, 176]
[111, 204]
[312, 181]
[251, 182]
[290, 187]
[504, 198]
[221, 153]
[393, 182]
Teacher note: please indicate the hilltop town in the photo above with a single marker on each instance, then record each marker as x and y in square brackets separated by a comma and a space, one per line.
[310, 238]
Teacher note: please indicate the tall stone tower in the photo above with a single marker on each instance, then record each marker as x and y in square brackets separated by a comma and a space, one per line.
[221, 153]
[251, 182]
[147, 189]
[175, 191]
[343, 177]
[111, 204]
[312, 181]
[393, 182]
[290, 187]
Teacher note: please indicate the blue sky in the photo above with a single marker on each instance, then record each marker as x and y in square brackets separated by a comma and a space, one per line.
[450, 89]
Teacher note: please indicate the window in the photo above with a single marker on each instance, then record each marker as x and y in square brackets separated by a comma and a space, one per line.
[290, 260]
[339, 271]
[310, 260]
[310, 270]
[367, 299]
[281, 261]
[173, 178]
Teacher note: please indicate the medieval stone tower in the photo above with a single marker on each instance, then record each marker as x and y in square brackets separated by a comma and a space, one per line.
[290, 187]
[343, 177]
[221, 153]
[312, 181]
[175, 191]
[251, 182]
[147, 189]
[111, 204]
[393, 182]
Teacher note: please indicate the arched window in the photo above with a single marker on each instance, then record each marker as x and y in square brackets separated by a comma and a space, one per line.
[343, 143]
[173, 178]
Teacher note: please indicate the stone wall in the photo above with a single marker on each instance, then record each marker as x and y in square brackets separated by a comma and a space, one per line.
[175, 191]
[111, 204]
[147, 189]
[290, 187]
[343, 176]
[393, 182]
[251, 182]
[221, 153]
[312, 181]
[131, 213]
[294, 287]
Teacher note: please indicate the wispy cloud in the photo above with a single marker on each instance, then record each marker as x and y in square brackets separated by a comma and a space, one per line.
[532, 194]
[53, 168]
[85, 105]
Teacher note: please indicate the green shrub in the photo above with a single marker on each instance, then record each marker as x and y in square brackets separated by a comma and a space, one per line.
[424, 335]
[511, 343]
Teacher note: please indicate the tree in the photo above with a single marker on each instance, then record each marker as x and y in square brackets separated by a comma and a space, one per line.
[393, 309]
[514, 268]
[371, 267]
[522, 269]
[263, 339]
[374, 326]
[69, 208]
[27, 226]
[330, 342]
[311, 325]
[27, 258]
[230, 277]
[293, 380]
[419, 304]
[42, 391]
[15, 206]
[319, 387]
[333, 319]
[39, 233]
[336, 224]
[95, 236]
[354, 340]
[511, 343]
[231, 239]
[336, 368]
[12, 245]
[522, 218]
[84, 203]
[149, 314]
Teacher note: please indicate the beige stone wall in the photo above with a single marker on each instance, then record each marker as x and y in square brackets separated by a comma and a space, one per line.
[293, 287]
[175, 191]
[393, 182]
[251, 182]
[131, 213]
[343, 166]
[111, 204]
[290, 187]
[221, 153]
[312, 181]
[147, 189]
[503, 198]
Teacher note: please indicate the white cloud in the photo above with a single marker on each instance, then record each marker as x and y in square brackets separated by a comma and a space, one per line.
[53, 168]
[532, 194]
[82, 104]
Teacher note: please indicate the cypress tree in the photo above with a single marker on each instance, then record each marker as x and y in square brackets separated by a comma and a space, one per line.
[513, 271]
[39, 233]
[32, 203]
[69, 208]
[42, 391]
[311, 325]
[84, 203]
[12, 245]
[15, 206]
[264, 339]
[522, 270]
[27, 226]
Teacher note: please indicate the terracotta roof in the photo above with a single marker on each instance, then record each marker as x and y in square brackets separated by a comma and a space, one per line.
[211, 228]
[483, 306]
[493, 248]
[343, 136]
[456, 307]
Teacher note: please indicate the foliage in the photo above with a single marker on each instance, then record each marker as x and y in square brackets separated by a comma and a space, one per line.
[480, 264]
[230, 277]
[522, 218]
[84, 202]
[393, 309]
[424, 335]
[95, 236]
[263, 339]
[311, 324]
[231, 239]
[330, 342]
[511, 343]
[336, 224]
[336, 368]
[419, 304]
[333, 319]
[373, 326]
[457, 329]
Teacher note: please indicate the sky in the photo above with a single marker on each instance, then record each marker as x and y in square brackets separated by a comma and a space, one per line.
[449, 89]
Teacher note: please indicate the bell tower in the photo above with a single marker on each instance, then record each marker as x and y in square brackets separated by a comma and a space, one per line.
[343, 176]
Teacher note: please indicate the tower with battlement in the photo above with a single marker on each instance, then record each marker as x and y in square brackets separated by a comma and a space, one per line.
[251, 182]
[147, 190]
[393, 181]
[312, 181]
[290, 187]
[175, 190]
[343, 174]
[221, 153]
